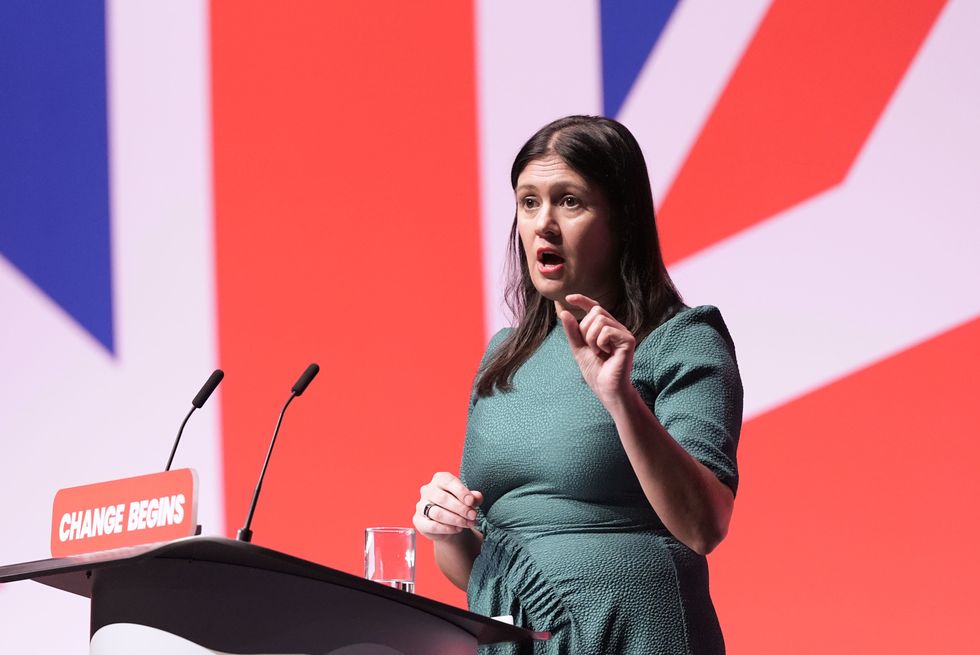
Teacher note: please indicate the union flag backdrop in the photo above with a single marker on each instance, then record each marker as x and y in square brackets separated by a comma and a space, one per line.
[255, 186]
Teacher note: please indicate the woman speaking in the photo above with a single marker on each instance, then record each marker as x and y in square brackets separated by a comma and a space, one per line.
[599, 464]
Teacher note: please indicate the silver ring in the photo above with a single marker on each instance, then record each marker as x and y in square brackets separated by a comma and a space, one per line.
[425, 511]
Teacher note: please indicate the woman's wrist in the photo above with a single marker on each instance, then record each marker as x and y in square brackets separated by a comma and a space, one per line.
[455, 555]
[622, 403]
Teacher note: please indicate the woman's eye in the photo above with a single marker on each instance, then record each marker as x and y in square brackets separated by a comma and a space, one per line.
[529, 203]
[569, 201]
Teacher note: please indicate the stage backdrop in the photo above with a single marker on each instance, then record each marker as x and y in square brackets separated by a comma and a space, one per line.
[255, 186]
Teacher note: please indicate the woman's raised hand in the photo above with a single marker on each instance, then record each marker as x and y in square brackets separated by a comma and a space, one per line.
[602, 346]
[451, 507]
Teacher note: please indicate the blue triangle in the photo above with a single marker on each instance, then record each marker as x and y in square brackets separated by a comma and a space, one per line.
[630, 29]
[54, 170]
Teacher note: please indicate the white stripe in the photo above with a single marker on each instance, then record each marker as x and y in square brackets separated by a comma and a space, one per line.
[680, 84]
[536, 61]
[877, 265]
[73, 414]
[160, 113]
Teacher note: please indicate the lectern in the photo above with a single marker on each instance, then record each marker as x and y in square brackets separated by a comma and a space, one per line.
[213, 595]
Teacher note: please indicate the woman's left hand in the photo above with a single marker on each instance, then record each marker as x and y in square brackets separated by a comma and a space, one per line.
[603, 349]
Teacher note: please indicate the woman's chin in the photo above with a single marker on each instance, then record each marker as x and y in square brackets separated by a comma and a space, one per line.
[554, 290]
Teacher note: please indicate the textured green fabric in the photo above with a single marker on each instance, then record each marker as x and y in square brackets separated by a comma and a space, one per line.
[571, 543]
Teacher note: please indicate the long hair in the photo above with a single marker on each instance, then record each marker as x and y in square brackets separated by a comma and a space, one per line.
[607, 156]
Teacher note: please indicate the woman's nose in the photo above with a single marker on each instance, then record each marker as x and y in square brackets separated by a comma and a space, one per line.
[545, 223]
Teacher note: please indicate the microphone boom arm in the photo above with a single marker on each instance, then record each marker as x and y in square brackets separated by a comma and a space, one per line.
[245, 533]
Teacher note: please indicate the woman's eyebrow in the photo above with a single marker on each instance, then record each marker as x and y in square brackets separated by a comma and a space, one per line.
[571, 186]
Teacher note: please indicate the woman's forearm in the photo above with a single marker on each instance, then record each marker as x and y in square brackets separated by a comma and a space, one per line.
[692, 503]
[455, 555]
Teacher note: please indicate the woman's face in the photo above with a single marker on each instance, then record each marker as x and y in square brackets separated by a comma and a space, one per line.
[565, 230]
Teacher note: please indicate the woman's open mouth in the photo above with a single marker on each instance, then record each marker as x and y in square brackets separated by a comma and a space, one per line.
[550, 262]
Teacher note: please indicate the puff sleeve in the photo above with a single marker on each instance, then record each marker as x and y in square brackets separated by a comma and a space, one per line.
[687, 373]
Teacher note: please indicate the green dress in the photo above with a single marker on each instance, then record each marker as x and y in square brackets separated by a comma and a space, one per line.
[571, 544]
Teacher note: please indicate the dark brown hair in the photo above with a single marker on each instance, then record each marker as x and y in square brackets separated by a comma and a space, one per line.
[603, 152]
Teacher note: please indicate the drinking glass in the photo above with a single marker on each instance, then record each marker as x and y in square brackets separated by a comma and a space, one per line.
[389, 557]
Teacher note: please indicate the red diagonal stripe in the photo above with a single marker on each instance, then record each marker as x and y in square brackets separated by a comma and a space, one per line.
[855, 528]
[346, 197]
[808, 91]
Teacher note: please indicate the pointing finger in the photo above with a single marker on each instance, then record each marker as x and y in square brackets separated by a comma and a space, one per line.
[580, 301]
[572, 329]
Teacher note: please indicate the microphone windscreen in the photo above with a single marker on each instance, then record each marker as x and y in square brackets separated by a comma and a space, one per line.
[208, 388]
[305, 379]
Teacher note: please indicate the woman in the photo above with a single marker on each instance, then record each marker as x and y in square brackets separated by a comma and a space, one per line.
[599, 465]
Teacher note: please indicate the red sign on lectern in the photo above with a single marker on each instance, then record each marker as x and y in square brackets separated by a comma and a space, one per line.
[128, 512]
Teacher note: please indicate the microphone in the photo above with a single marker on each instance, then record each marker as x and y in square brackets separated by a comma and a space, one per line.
[305, 379]
[198, 402]
[208, 388]
[245, 533]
